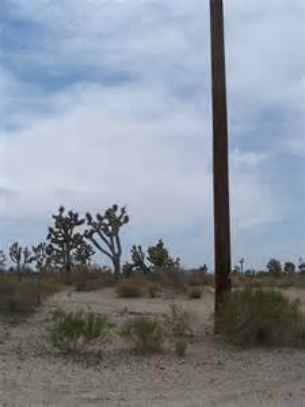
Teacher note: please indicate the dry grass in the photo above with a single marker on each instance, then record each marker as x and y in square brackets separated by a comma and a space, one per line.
[261, 317]
[22, 297]
[91, 279]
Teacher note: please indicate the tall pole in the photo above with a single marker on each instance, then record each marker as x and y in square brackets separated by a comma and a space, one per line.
[222, 241]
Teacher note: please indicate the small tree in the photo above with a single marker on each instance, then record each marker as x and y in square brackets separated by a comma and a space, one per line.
[301, 266]
[64, 238]
[274, 267]
[83, 253]
[20, 256]
[2, 260]
[42, 256]
[138, 259]
[289, 268]
[159, 257]
[107, 228]
[242, 262]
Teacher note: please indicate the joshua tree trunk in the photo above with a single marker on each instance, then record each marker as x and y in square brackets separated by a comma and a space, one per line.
[116, 260]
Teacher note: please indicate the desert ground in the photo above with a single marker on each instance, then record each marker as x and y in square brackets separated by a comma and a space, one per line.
[210, 374]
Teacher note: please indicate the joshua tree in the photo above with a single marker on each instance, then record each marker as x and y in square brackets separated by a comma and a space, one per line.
[107, 228]
[159, 257]
[42, 256]
[138, 259]
[242, 262]
[83, 253]
[20, 256]
[127, 269]
[64, 238]
[2, 260]
[274, 267]
[301, 266]
[289, 268]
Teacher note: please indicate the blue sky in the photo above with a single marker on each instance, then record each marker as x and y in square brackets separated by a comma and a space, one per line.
[106, 101]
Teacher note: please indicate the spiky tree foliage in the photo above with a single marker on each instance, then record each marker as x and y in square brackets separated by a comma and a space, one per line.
[138, 259]
[159, 257]
[301, 266]
[64, 238]
[127, 269]
[2, 260]
[289, 268]
[83, 253]
[42, 254]
[242, 262]
[104, 234]
[274, 267]
[20, 256]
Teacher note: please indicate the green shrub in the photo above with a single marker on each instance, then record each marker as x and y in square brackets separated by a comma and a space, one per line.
[130, 288]
[147, 335]
[260, 317]
[72, 330]
[195, 292]
[181, 344]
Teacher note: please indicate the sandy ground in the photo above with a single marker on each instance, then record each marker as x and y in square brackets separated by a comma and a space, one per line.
[33, 374]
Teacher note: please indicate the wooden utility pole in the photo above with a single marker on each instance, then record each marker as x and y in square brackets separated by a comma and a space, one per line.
[222, 241]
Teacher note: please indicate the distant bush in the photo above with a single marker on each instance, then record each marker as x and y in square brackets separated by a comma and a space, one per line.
[263, 280]
[131, 288]
[72, 330]
[22, 297]
[197, 277]
[260, 317]
[154, 290]
[50, 283]
[86, 278]
[170, 278]
[147, 335]
[18, 298]
[195, 292]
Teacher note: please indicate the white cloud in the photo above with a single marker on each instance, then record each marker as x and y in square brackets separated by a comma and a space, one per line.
[95, 154]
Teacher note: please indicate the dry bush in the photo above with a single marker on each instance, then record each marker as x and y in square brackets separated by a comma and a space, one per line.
[179, 322]
[300, 280]
[146, 334]
[22, 297]
[260, 317]
[195, 292]
[86, 278]
[196, 277]
[18, 297]
[169, 278]
[210, 280]
[264, 280]
[133, 287]
[50, 283]
[154, 290]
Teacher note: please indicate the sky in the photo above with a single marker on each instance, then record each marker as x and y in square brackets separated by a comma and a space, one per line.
[108, 101]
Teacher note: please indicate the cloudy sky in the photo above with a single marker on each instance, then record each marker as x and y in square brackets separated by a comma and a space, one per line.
[105, 101]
